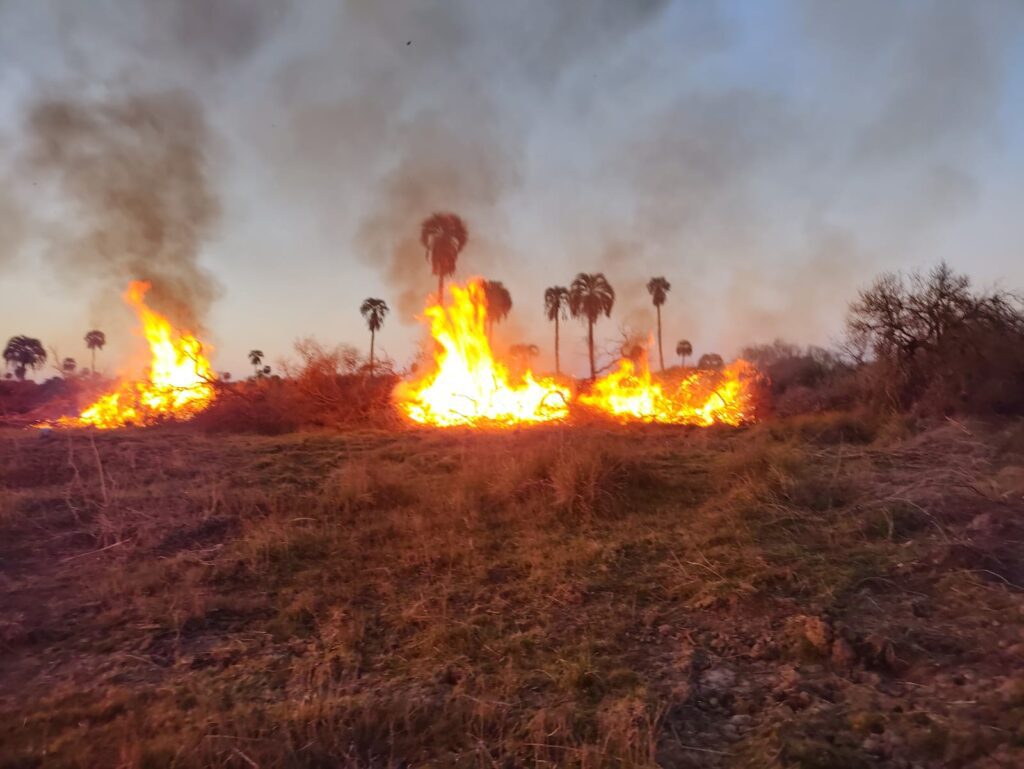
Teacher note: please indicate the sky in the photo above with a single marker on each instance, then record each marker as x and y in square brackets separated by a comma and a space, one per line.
[267, 164]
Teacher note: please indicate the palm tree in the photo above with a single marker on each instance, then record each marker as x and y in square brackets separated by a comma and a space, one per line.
[556, 305]
[68, 366]
[590, 295]
[255, 359]
[95, 340]
[443, 235]
[658, 288]
[25, 353]
[522, 353]
[499, 304]
[683, 349]
[374, 311]
[710, 360]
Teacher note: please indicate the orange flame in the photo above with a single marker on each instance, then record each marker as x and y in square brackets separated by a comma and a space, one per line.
[702, 398]
[468, 386]
[177, 384]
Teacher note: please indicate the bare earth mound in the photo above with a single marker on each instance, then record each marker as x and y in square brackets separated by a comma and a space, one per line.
[808, 593]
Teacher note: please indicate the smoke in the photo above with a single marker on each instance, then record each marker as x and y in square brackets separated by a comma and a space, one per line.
[767, 162]
[462, 152]
[11, 227]
[133, 172]
[769, 208]
[437, 170]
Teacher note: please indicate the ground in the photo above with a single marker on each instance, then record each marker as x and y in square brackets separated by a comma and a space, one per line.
[830, 591]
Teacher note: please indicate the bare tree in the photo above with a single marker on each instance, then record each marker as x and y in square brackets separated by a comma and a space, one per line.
[934, 339]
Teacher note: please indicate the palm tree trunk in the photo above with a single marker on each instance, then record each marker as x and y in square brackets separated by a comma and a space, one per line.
[558, 366]
[590, 347]
[661, 355]
[373, 336]
[440, 288]
[94, 361]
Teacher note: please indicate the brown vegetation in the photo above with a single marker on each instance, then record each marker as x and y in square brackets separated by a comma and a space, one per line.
[820, 591]
[940, 346]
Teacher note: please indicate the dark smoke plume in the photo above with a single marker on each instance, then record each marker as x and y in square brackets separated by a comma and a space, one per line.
[133, 171]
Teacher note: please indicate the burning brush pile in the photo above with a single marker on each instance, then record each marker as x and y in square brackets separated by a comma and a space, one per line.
[465, 384]
[468, 386]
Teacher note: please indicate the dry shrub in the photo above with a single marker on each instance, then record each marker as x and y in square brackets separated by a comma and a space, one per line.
[828, 428]
[546, 476]
[327, 387]
[939, 346]
[551, 476]
[628, 729]
[264, 407]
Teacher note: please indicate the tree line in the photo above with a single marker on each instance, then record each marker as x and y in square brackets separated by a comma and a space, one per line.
[25, 353]
[443, 236]
[589, 296]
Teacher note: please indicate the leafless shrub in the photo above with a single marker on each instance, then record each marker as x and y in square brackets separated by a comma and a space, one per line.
[325, 387]
[940, 346]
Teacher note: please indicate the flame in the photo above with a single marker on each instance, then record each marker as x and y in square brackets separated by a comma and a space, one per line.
[702, 398]
[177, 384]
[468, 386]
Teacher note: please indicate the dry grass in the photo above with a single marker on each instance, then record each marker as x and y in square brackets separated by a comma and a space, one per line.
[583, 597]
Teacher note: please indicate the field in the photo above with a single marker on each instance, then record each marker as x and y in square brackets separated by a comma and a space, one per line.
[829, 591]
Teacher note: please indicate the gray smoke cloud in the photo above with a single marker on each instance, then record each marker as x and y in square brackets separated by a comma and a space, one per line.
[426, 101]
[133, 170]
[882, 153]
[11, 227]
[633, 138]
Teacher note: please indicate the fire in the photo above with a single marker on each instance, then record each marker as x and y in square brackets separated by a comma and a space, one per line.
[177, 384]
[468, 386]
[702, 398]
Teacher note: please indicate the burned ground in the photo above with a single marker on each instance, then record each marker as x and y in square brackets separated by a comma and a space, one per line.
[824, 591]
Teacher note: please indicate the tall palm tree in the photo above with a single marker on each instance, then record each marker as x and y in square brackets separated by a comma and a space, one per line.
[374, 311]
[499, 304]
[24, 353]
[590, 295]
[658, 288]
[255, 359]
[556, 306]
[684, 350]
[443, 235]
[95, 340]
